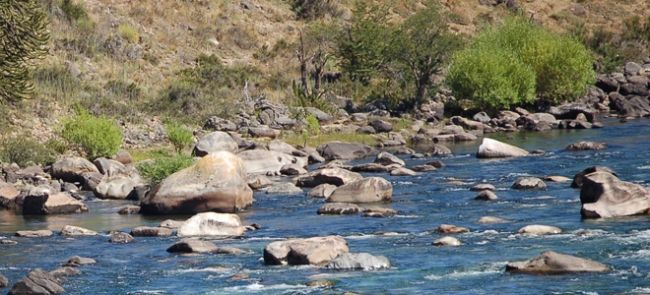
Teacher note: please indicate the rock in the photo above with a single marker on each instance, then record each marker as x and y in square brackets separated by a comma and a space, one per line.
[268, 162]
[313, 155]
[482, 117]
[524, 183]
[129, 209]
[344, 151]
[367, 190]
[386, 158]
[110, 168]
[339, 209]
[491, 220]
[436, 164]
[285, 148]
[120, 238]
[374, 168]
[604, 195]
[467, 124]
[218, 124]
[381, 126]
[37, 282]
[378, 212]
[451, 229]
[170, 223]
[4, 282]
[116, 187]
[321, 284]
[8, 195]
[71, 230]
[403, 172]
[552, 263]
[447, 241]
[586, 146]
[284, 188]
[578, 179]
[438, 150]
[216, 182]
[78, 261]
[123, 157]
[358, 261]
[537, 229]
[215, 142]
[632, 69]
[555, 178]
[66, 271]
[44, 203]
[72, 169]
[263, 131]
[491, 148]
[423, 168]
[34, 233]
[334, 176]
[257, 182]
[482, 187]
[634, 106]
[486, 195]
[212, 224]
[292, 169]
[7, 242]
[314, 251]
[322, 191]
[148, 231]
[366, 130]
[193, 246]
[537, 122]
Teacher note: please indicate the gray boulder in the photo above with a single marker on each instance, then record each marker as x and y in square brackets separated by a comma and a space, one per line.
[491, 148]
[192, 246]
[118, 237]
[37, 282]
[367, 190]
[386, 158]
[149, 231]
[553, 263]
[358, 261]
[578, 179]
[269, 162]
[71, 230]
[212, 224]
[604, 195]
[322, 191]
[72, 169]
[43, 202]
[526, 183]
[586, 146]
[215, 142]
[313, 251]
[333, 176]
[344, 151]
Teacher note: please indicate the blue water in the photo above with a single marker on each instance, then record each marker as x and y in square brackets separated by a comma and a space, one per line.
[423, 202]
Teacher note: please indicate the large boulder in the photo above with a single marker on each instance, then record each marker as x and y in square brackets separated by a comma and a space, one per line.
[71, 230]
[8, 195]
[633, 106]
[491, 148]
[72, 169]
[216, 182]
[117, 187]
[344, 151]
[367, 190]
[553, 263]
[358, 261]
[193, 246]
[314, 251]
[333, 176]
[37, 282]
[215, 142]
[269, 162]
[212, 224]
[578, 179]
[604, 195]
[524, 183]
[42, 202]
[386, 158]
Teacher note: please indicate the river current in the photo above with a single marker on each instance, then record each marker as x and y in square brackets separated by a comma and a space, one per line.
[423, 202]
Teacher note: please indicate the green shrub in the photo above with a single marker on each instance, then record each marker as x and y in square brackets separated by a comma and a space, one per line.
[25, 151]
[161, 166]
[95, 136]
[129, 33]
[73, 12]
[180, 136]
[312, 129]
[312, 9]
[492, 78]
[562, 66]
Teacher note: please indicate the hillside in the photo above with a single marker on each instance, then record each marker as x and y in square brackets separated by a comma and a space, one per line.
[121, 58]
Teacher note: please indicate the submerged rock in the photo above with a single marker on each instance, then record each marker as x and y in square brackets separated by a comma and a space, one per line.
[34, 233]
[78, 261]
[538, 229]
[71, 230]
[604, 195]
[378, 212]
[129, 209]
[367, 190]
[491, 220]
[212, 224]
[148, 231]
[314, 251]
[553, 263]
[193, 246]
[447, 241]
[65, 271]
[555, 178]
[120, 238]
[451, 229]
[216, 182]
[339, 209]
[358, 261]
[491, 148]
[37, 282]
[586, 146]
[525, 183]
[486, 195]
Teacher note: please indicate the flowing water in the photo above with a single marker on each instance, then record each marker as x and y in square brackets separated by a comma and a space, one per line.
[423, 202]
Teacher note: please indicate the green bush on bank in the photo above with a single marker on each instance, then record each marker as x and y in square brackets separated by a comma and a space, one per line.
[562, 66]
[95, 136]
[179, 136]
[26, 151]
[163, 165]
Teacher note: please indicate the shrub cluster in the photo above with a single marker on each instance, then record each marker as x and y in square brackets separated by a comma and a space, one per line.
[26, 151]
[163, 165]
[495, 70]
[95, 136]
[179, 136]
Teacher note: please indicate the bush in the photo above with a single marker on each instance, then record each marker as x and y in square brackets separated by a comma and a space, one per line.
[179, 136]
[73, 12]
[129, 33]
[562, 66]
[161, 166]
[95, 136]
[491, 78]
[312, 9]
[25, 151]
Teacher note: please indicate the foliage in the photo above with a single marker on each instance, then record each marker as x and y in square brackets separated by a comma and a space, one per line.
[179, 136]
[311, 129]
[129, 33]
[73, 12]
[492, 78]
[561, 65]
[637, 29]
[95, 136]
[163, 165]
[23, 40]
[298, 139]
[313, 9]
[25, 151]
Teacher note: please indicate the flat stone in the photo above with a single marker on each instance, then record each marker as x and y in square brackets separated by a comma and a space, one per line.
[553, 263]
[526, 183]
[193, 246]
[486, 195]
[538, 229]
[120, 238]
[483, 186]
[78, 261]
[129, 209]
[451, 229]
[339, 209]
[491, 220]
[378, 212]
[148, 231]
[358, 261]
[71, 230]
[34, 233]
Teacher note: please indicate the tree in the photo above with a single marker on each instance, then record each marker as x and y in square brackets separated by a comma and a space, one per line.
[22, 40]
[420, 47]
[314, 53]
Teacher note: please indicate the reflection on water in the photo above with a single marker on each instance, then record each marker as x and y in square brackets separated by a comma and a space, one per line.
[423, 203]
